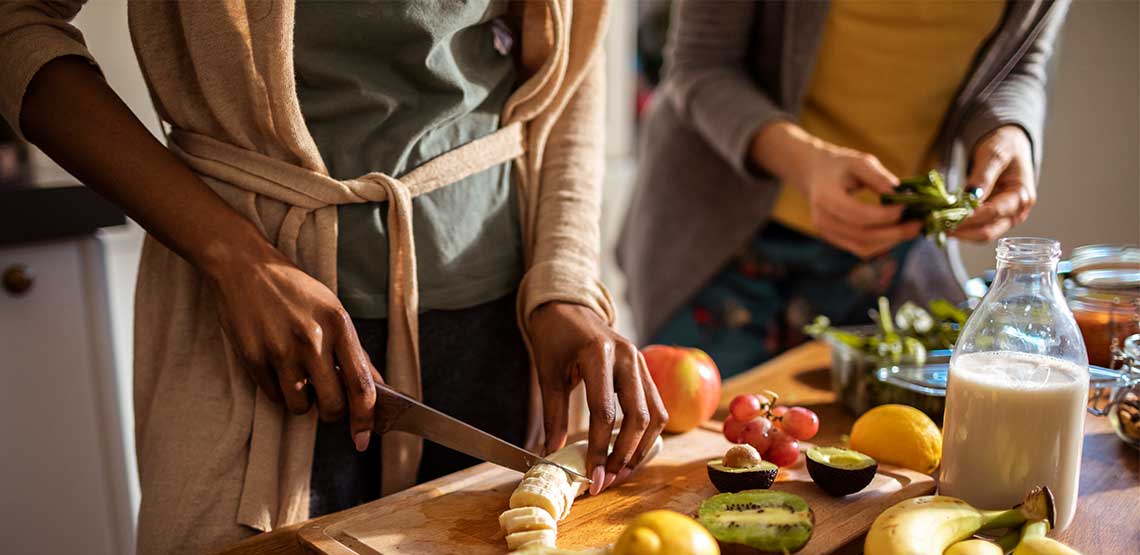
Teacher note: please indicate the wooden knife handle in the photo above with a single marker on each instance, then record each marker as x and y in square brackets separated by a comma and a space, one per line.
[390, 405]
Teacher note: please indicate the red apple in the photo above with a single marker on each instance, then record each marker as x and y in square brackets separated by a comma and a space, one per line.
[689, 384]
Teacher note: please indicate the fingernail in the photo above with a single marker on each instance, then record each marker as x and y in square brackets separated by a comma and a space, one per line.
[361, 440]
[623, 474]
[597, 478]
[609, 481]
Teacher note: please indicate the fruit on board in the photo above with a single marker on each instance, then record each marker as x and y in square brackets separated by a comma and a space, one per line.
[745, 407]
[733, 429]
[974, 547]
[544, 497]
[840, 471]
[800, 423]
[1034, 542]
[741, 469]
[665, 533]
[932, 523]
[756, 432]
[522, 519]
[753, 522]
[688, 382]
[783, 449]
[519, 540]
[899, 435]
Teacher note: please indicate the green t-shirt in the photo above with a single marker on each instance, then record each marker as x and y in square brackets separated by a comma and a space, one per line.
[386, 86]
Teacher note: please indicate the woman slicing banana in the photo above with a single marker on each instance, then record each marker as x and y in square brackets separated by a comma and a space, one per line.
[352, 191]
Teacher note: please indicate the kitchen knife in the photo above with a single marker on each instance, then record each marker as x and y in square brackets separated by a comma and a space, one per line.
[398, 412]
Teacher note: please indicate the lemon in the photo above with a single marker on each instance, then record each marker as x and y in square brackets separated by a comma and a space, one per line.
[665, 533]
[899, 435]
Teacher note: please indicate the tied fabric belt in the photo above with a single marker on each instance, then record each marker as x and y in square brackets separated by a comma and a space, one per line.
[306, 192]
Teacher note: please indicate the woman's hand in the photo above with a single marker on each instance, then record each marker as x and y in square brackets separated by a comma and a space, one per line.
[573, 345]
[293, 337]
[828, 175]
[1003, 168]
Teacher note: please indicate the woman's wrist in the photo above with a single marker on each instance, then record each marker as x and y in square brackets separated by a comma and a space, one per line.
[782, 148]
[228, 254]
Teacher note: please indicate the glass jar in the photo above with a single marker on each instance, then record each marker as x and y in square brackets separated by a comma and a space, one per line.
[1103, 290]
[1017, 388]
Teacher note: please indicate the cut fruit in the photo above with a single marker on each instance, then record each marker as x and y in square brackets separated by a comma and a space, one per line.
[757, 521]
[546, 496]
[518, 540]
[840, 471]
[730, 479]
[526, 518]
[549, 490]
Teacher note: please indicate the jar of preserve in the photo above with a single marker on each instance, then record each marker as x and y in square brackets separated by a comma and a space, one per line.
[1103, 291]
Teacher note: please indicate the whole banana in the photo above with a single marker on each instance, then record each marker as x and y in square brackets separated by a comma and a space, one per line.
[1034, 542]
[928, 525]
[974, 547]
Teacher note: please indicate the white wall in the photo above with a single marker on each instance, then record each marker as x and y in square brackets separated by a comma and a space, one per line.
[1090, 182]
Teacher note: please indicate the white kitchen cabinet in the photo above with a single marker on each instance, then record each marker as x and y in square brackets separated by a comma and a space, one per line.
[64, 486]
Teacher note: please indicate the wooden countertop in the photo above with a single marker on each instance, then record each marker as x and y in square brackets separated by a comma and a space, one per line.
[1108, 511]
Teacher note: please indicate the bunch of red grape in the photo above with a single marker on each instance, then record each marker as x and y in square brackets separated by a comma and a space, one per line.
[774, 430]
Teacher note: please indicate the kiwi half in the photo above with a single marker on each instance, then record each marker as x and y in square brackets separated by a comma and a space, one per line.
[729, 479]
[757, 522]
[840, 471]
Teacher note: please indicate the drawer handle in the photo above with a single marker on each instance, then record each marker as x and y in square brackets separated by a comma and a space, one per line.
[18, 279]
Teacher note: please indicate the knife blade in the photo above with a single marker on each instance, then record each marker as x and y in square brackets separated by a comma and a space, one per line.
[398, 412]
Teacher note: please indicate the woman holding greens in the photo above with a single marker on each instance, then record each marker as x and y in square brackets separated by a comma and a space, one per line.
[777, 127]
[350, 192]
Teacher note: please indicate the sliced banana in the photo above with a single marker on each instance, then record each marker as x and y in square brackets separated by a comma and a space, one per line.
[546, 493]
[538, 493]
[520, 539]
[526, 518]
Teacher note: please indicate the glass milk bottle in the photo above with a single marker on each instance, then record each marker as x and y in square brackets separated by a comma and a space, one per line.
[1017, 388]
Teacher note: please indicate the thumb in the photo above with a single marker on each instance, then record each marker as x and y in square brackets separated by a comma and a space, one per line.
[871, 173]
[989, 161]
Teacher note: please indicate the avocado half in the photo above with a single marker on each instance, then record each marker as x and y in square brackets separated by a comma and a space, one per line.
[840, 471]
[757, 522]
[729, 479]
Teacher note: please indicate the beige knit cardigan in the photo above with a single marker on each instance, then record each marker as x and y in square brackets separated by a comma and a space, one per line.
[217, 459]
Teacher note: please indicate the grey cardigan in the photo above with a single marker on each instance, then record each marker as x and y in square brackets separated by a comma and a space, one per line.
[734, 67]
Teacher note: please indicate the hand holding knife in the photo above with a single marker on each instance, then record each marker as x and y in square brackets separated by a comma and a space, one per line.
[398, 412]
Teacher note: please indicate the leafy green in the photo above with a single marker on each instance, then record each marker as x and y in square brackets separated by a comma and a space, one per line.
[926, 198]
[908, 333]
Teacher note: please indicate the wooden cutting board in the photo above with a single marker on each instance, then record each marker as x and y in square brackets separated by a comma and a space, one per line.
[458, 514]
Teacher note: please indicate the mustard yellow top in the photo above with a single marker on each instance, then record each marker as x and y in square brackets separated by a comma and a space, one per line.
[885, 76]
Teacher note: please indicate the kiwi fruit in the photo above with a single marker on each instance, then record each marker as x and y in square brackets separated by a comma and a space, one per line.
[757, 522]
[840, 471]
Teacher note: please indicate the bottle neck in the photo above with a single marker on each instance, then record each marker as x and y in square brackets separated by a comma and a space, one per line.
[1037, 275]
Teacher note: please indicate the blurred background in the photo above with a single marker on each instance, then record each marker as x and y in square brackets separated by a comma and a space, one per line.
[84, 275]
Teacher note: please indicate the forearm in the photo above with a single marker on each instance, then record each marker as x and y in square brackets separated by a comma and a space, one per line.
[567, 244]
[781, 148]
[71, 114]
[707, 81]
[1019, 98]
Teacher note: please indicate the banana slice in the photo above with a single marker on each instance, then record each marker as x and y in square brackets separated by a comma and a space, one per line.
[520, 539]
[544, 495]
[538, 493]
[526, 518]
[548, 471]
